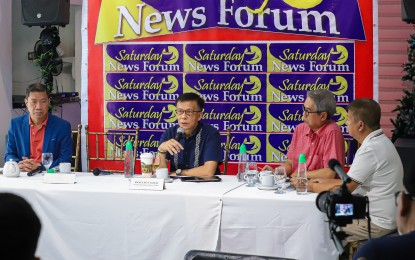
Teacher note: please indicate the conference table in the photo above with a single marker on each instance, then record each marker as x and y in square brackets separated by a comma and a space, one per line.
[99, 217]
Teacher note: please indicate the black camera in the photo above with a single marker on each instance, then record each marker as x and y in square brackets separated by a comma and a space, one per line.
[341, 207]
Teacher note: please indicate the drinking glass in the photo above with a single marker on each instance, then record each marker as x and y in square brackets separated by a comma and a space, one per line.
[156, 163]
[47, 159]
[280, 175]
[251, 173]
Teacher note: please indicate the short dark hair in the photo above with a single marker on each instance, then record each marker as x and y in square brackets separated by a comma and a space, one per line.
[36, 87]
[20, 228]
[190, 96]
[366, 110]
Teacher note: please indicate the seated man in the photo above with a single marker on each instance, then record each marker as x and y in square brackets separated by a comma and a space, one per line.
[20, 228]
[396, 247]
[376, 171]
[38, 132]
[198, 152]
[318, 137]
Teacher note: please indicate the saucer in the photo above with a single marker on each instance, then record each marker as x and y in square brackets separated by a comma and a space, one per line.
[169, 180]
[261, 187]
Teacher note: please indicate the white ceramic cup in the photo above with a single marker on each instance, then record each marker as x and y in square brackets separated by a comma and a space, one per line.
[65, 167]
[162, 173]
[263, 173]
[267, 180]
[146, 164]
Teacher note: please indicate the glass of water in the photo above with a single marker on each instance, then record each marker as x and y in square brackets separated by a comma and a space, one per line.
[251, 173]
[280, 175]
[47, 159]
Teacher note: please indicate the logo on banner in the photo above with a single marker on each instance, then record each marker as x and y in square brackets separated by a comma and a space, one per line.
[225, 57]
[287, 88]
[253, 146]
[309, 57]
[132, 58]
[277, 147]
[125, 19]
[123, 86]
[213, 87]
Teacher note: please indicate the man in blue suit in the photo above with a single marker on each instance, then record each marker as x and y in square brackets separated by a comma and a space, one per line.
[38, 132]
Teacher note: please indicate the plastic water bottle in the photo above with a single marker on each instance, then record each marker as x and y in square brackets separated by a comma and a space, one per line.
[302, 175]
[243, 158]
[129, 161]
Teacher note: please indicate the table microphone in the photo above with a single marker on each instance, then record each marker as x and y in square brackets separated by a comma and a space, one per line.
[179, 134]
[35, 171]
[335, 166]
[97, 171]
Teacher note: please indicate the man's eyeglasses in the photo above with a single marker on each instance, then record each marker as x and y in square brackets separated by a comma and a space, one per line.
[308, 112]
[188, 112]
[403, 193]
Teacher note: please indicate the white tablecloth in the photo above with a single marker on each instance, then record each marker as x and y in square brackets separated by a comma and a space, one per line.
[261, 222]
[100, 218]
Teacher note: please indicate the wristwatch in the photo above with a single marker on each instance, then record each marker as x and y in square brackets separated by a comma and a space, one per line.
[178, 172]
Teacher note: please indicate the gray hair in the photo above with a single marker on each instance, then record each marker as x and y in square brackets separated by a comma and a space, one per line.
[324, 101]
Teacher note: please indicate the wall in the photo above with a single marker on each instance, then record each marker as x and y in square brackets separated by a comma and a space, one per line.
[393, 33]
[24, 38]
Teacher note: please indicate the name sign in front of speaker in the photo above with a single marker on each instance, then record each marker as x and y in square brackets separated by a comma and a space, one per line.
[45, 12]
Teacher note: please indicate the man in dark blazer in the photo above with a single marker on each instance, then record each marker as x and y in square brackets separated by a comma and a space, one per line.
[38, 132]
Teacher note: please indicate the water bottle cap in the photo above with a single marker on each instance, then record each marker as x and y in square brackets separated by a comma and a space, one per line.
[242, 148]
[129, 145]
[302, 159]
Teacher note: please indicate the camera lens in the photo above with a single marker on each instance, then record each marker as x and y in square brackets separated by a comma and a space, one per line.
[321, 201]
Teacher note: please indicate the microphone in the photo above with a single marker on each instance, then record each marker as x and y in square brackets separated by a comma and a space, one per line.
[179, 134]
[97, 171]
[35, 171]
[335, 166]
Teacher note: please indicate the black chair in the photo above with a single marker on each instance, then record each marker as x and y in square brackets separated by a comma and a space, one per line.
[213, 255]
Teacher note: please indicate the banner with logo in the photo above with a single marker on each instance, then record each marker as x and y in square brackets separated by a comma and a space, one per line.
[252, 61]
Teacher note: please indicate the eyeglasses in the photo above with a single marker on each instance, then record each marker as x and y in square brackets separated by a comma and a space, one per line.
[188, 112]
[308, 112]
[404, 193]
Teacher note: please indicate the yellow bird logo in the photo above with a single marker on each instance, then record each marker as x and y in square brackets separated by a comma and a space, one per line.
[342, 52]
[342, 113]
[173, 114]
[342, 84]
[172, 53]
[173, 82]
[256, 84]
[255, 112]
[256, 54]
[254, 143]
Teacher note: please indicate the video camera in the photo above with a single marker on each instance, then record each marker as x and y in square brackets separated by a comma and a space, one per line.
[341, 207]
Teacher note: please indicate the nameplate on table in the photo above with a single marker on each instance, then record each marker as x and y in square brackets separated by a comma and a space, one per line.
[59, 178]
[146, 184]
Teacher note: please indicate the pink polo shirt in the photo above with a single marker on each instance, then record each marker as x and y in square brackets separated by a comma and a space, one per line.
[319, 147]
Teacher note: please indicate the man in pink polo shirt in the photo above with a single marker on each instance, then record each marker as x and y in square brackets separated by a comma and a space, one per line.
[318, 137]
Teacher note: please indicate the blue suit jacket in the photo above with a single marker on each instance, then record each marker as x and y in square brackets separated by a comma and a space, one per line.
[57, 140]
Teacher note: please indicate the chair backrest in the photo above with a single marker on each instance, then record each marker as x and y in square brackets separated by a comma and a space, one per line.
[351, 146]
[108, 146]
[227, 134]
[76, 149]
